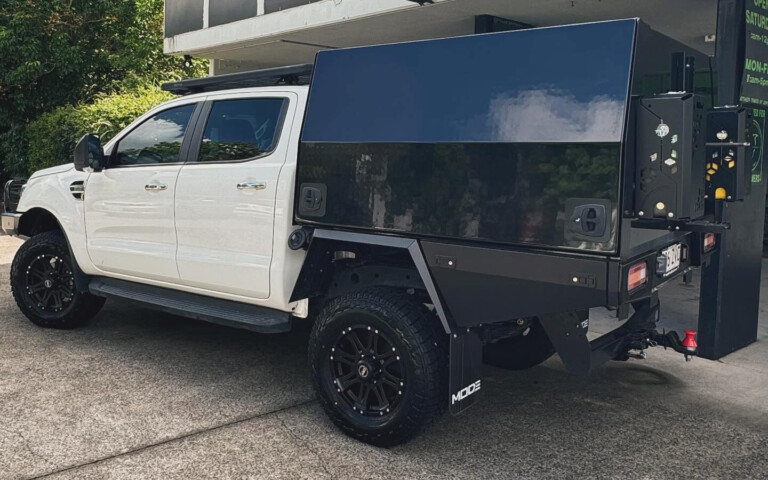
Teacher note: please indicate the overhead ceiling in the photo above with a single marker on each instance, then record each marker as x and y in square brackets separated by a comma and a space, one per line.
[685, 20]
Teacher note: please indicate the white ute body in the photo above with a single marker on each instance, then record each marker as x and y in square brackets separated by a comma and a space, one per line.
[187, 226]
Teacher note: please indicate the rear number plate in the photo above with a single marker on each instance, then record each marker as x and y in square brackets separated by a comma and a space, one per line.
[669, 260]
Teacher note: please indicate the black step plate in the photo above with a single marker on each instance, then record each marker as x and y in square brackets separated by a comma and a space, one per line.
[190, 305]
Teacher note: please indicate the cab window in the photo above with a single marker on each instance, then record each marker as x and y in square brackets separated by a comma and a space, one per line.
[155, 141]
[242, 129]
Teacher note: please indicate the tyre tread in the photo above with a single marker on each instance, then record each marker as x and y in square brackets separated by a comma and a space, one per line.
[428, 342]
[86, 305]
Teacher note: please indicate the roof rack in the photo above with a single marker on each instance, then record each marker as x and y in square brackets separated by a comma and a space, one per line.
[268, 77]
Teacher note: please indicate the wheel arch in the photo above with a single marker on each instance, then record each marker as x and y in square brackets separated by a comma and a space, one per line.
[338, 262]
[38, 220]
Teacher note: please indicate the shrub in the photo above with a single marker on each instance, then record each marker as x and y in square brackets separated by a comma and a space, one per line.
[52, 136]
[13, 152]
[55, 53]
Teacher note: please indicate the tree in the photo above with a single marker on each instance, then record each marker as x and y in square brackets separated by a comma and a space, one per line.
[61, 52]
[53, 52]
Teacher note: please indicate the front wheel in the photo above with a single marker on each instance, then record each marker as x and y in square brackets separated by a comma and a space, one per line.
[43, 284]
[378, 360]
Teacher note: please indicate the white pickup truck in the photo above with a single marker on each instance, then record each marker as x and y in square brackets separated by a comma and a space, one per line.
[190, 210]
[427, 206]
[218, 226]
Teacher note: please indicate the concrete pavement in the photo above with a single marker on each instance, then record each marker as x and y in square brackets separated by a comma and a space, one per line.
[8, 247]
[140, 394]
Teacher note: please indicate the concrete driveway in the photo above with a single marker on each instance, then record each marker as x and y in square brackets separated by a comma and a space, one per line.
[145, 395]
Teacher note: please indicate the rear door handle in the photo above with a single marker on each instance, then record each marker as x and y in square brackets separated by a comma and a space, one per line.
[252, 186]
[155, 186]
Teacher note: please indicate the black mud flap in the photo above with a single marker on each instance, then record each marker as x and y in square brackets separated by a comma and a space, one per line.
[568, 334]
[466, 356]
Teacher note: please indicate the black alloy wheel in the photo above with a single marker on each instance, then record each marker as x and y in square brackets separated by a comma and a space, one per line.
[44, 286]
[379, 364]
[50, 283]
[367, 370]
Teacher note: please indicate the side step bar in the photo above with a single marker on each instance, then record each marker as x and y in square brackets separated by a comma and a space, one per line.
[190, 305]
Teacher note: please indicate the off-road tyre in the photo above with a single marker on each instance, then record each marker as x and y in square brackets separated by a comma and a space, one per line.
[421, 348]
[520, 352]
[73, 309]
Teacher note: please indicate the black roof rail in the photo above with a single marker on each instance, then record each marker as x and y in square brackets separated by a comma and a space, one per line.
[268, 77]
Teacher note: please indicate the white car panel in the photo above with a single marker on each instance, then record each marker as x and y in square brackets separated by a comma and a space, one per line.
[225, 233]
[49, 190]
[130, 230]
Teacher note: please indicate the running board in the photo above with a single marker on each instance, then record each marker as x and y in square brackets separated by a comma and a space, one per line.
[190, 305]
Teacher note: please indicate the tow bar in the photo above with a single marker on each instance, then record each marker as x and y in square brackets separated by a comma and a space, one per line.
[641, 333]
[630, 340]
[688, 346]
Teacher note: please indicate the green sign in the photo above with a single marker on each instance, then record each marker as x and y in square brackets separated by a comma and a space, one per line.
[754, 86]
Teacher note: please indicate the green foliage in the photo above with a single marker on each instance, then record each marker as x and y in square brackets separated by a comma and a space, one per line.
[13, 150]
[215, 151]
[55, 53]
[163, 152]
[146, 61]
[51, 137]
[52, 52]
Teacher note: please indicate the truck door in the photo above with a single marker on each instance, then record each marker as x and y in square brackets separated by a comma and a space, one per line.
[226, 193]
[129, 207]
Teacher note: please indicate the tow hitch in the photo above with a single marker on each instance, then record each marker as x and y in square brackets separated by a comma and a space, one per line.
[628, 341]
[641, 333]
[688, 346]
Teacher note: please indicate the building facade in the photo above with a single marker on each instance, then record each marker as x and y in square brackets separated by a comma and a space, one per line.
[247, 34]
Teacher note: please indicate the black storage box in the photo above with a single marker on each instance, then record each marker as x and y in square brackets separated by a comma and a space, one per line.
[728, 169]
[670, 157]
[515, 138]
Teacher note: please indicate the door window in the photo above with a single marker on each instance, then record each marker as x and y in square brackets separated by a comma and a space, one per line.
[156, 140]
[242, 129]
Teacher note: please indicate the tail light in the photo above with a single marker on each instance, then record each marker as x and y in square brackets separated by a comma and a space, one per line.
[637, 276]
[709, 241]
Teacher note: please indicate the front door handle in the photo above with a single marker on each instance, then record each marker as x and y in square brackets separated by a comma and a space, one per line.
[155, 186]
[252, 186]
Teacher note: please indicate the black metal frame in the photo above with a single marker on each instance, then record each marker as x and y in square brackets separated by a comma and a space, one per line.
[314, 279]
[268, 77]
[12, 194]
[703, 224]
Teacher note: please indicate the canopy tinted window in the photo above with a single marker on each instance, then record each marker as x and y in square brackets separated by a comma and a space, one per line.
[560, 84]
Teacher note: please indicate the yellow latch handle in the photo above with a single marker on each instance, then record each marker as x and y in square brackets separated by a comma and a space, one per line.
[720, 193]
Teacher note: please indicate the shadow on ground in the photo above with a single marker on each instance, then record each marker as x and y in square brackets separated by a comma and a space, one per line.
[145, 395]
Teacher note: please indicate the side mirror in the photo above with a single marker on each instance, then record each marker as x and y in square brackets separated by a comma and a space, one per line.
[88, 153]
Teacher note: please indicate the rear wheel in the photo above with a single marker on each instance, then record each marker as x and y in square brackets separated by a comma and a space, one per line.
[43, 284]
[379, 365]
[523, 351]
